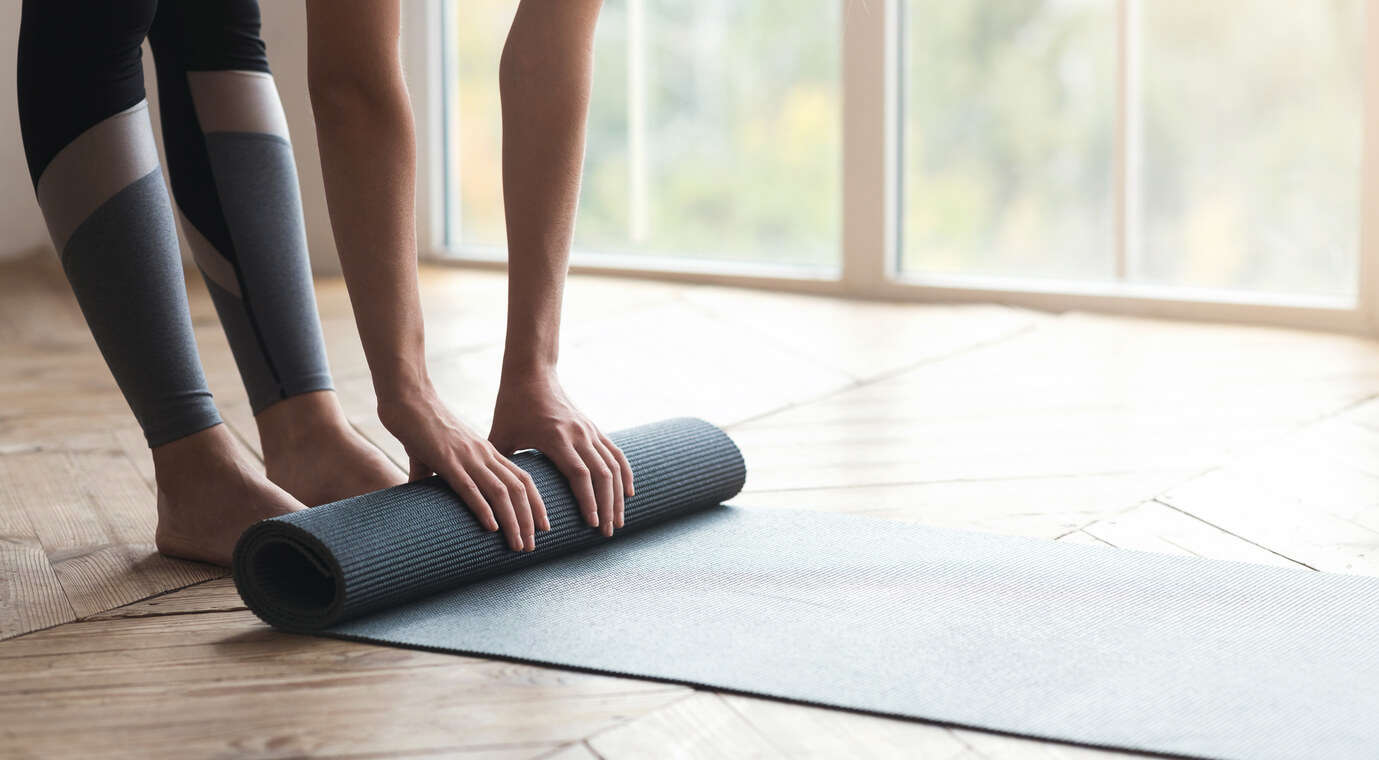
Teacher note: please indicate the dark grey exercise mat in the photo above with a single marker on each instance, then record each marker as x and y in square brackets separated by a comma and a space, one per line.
[1165, 654]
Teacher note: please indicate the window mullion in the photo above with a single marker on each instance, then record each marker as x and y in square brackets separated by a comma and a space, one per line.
[1126, 164]
[869, 144]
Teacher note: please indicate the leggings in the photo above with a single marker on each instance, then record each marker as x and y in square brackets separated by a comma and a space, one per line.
[95, 168]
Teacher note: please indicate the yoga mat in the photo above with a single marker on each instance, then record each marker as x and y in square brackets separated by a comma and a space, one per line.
[1098, 646]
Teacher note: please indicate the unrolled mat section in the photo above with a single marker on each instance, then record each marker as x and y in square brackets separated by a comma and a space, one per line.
[1165, 654]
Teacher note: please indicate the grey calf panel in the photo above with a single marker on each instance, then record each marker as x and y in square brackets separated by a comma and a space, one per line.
[123, 264]
[256, 180]
[1106, 647]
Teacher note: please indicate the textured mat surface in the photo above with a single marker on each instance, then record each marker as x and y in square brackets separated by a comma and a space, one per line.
[1097, 646]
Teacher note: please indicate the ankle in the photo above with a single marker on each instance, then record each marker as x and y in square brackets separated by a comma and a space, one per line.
[294, 422]
[188, 456]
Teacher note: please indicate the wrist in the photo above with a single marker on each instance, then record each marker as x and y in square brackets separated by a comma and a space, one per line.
[528, 372]
[404, 399]
[401, 382]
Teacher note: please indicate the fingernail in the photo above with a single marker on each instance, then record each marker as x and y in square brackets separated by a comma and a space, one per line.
[594, 520]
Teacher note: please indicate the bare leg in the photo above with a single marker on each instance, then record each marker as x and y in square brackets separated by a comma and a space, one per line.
[209, 491]
[312, 451]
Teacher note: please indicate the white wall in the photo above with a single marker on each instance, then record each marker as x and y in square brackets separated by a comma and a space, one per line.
[21, 228]
[284, 28]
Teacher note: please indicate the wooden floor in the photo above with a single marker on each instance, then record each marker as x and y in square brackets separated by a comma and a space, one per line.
[1241, 443]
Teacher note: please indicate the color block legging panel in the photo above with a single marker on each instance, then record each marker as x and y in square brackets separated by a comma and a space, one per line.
[95, 168]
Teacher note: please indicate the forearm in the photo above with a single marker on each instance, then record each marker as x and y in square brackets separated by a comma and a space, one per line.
[366, 136]
[545, 77]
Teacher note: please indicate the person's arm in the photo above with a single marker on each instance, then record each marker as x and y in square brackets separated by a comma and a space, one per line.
[368, 156]
[544, 79]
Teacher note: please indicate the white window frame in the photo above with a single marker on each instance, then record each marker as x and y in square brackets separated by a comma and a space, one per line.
[870, 197]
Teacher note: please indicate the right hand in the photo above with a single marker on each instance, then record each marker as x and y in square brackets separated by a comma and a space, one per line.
[498, 492]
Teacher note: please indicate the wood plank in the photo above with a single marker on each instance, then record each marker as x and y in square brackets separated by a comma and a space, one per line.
[36, 304]
[1157, 527]
[501, 752]
[999, 747]
[72, 687]
[217, 595]
[130, 440]
[1069, 398]
[575, 751]
[672, 360]
[1312, 499]
[865, 339]
[30, 595]
[1082, 537]
[1040, 507]
[702, 725]
[816, 732]
[94, 516]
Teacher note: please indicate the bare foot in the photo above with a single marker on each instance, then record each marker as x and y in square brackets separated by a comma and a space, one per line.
[209, 491]
[313, 452]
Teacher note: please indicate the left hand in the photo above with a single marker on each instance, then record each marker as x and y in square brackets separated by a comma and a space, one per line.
[533, 412]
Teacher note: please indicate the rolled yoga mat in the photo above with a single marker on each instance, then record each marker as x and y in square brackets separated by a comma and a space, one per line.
[1090, 645]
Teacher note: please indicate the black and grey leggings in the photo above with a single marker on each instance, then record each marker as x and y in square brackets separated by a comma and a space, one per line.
[96, 171]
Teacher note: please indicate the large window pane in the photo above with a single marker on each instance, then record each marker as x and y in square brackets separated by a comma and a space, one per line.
[714, 130]
[1252, 115]
[1009, 113]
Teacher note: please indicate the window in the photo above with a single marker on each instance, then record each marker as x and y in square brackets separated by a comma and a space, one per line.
[1192, 157]
[1251, 118]
[713, 133]
[1009, 137]
[1239, 139]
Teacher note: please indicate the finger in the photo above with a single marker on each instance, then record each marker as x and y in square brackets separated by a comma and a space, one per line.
[464, 486]
[500, 502]
[615, 476]
[538, 505]
[517, 494]
[572, 466]
[602, 477]
[623, 465]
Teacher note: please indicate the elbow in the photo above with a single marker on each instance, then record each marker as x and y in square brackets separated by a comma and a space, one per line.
[515, 66]
[337, 93]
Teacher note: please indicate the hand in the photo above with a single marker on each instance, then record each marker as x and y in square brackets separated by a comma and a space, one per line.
[534, 413]
[498, 492]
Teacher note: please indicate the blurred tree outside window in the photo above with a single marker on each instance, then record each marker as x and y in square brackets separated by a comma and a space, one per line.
[715, 136]
[1248, 115]
[714, 131]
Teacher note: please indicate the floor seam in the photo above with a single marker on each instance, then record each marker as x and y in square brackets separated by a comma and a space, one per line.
[889, 374]
[1232, 533]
